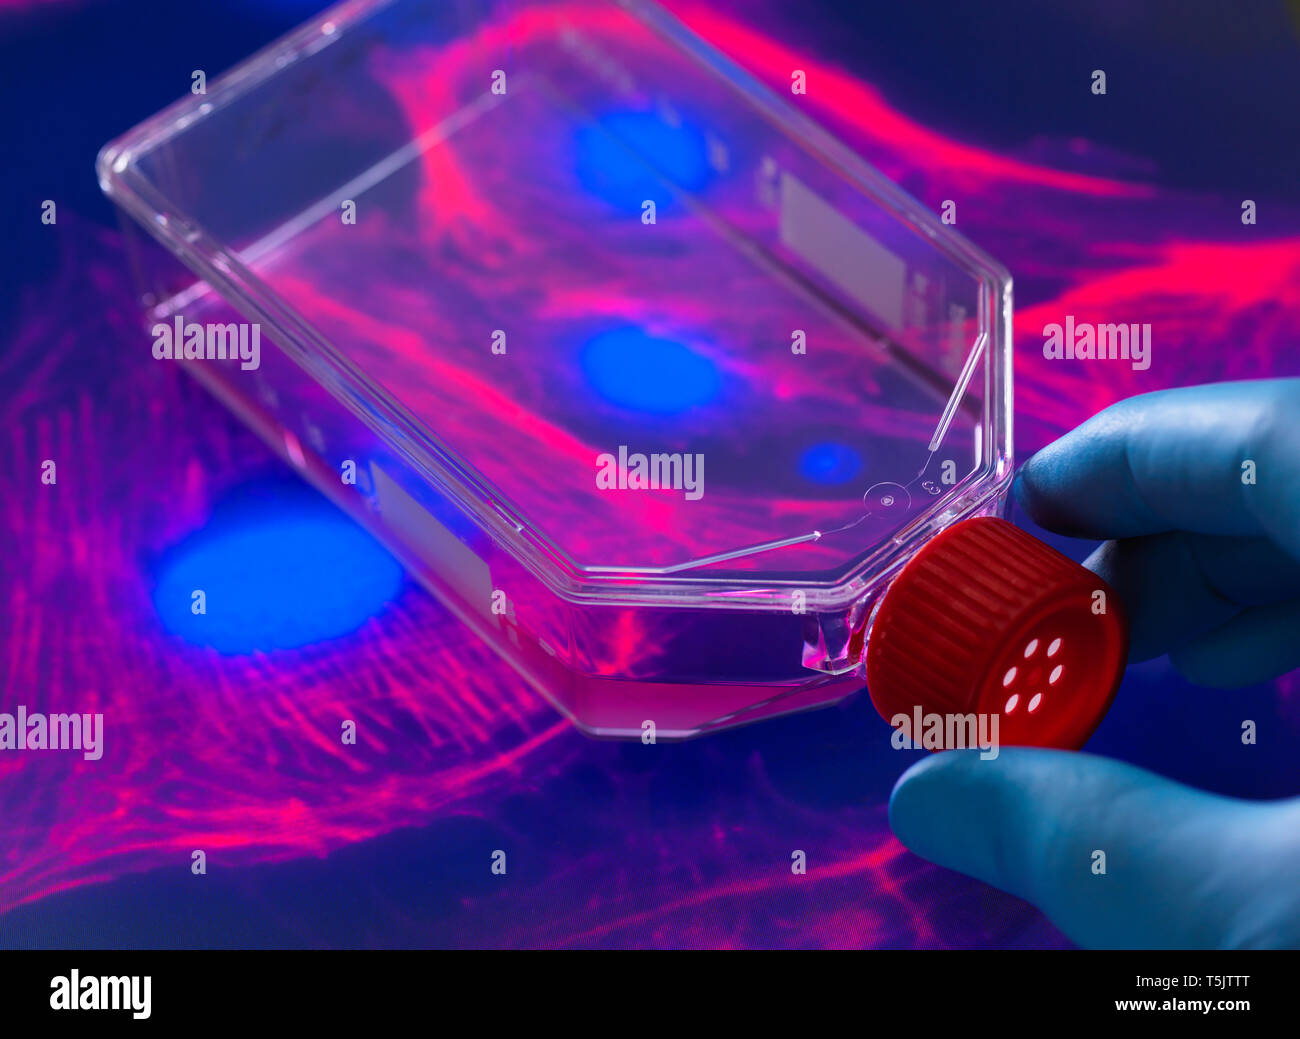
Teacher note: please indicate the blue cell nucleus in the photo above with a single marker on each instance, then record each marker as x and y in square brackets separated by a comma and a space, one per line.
[626, 157]
[642, 372]
[275, 578]
[830, 462]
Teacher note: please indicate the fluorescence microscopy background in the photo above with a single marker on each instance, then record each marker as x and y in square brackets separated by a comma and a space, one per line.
[1122, 207]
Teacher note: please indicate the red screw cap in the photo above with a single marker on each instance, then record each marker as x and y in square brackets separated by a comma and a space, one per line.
[987, 619]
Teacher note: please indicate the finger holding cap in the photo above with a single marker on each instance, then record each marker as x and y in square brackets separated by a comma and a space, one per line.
[1216, 459]
[1114, 855]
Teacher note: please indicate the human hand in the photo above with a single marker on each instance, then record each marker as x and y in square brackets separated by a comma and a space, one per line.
[1199, 491]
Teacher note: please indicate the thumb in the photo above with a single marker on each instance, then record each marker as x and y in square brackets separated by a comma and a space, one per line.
[1182, 868]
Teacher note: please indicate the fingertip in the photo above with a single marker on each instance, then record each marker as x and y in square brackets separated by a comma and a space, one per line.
[1036, 486]
[1018, 489]
[923, 801]
[909, 789]
[1030, 471]
[988, 818]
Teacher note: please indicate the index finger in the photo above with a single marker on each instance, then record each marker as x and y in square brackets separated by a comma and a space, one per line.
[1216, 459]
